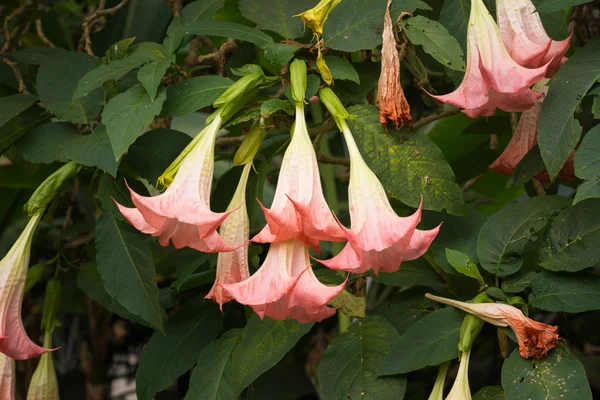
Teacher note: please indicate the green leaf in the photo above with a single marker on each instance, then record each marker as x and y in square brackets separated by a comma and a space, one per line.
[196, 10]
[455, 17]
[457, 233]
[351, 26]
[192, 94]
[405, 309]
[490, 393]
[557, 5]
[435, 40]
[151, 74]
[125, 263]
[587, 164]
[559, 375]
[118, 50]
[572, 242]
[408, 165]
[168, 356]
[35, 55]
[127, 114]
[56, 82]
[350, 365]
[503, 238]
[211, 379]
[271, 106]
[517, 282]
[34, 274]
[341, 69]
[596, 107]
[155, 150]
[463, 264]
[150, 51]
[412, 273]
[62, 142]
[279, 54]
[352, 306]
[279, 16]
[11, 106]
[431, 341]
[587, 190]
[562, 292]
[529, 166]
[558, 131]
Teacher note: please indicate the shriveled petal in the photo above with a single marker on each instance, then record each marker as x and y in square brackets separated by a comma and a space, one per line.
[7, 378]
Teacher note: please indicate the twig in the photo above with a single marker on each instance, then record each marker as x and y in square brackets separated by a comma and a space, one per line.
[192, 58]
[10, 17]
[80, 241]
[434, 117]
[85, 42]
[322, 158]
[40, 32]
[175, 7]
[327, 126]
[538, 187]
[225, 141]
[208, 44]
[210, 56]
[470, 183]
[15, 67]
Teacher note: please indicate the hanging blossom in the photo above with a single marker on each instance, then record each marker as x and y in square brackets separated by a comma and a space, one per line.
[437, 393]
[390, 96]
[299, 210]
[378, 238]
[44, 385]
[535, 338]
[460, 389]
[492, 79]
[526, 39]
[7, 377]
[525, 138]
[14, 341]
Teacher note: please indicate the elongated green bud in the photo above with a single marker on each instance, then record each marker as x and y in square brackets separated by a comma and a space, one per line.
[250, 145]
[298, 80]
[333, 105]
[324, 69]
[471, 325]
[241, 86]
[46, 192]
[51, 301]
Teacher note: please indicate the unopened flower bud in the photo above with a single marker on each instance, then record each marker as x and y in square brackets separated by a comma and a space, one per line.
[250, 145]
[298, 80]
[44, 385]
[315, 17]
[324, 69]
[48, 190]
[333, 105]
[471, 325]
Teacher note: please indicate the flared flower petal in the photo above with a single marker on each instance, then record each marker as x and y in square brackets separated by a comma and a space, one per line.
[182, 214]
[299, 210]
[526, 39]
[232, 267]
[492, 78]
[14, 341]
[378, 239]
[535, 338]
[390, 96]
[285, 286]
[7, 378]
[460, 389]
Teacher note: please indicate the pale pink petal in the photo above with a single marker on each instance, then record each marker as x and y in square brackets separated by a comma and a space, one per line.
[310, 293]
[7, 378]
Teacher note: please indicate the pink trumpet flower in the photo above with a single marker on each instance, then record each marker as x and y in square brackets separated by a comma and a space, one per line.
[378, 239]
[492, 79]
[232, 267]
[299, 210]
[286, 286]
[182, 213]
[14, 341]
[7, 378]
[525, 37]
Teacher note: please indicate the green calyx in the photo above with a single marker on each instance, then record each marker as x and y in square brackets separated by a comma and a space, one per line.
[471, 325]
[250, 145]
[48, 190]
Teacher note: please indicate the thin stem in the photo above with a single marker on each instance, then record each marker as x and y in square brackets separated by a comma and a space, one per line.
[434, 117]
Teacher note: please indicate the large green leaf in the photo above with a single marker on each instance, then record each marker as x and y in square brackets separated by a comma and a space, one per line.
[127, 114]
[435, 40]
[587, 163]
[62, 142]
[556, 5]
[196, 10]
[490, 393]
[11, 106]
[56, 82]
[18, 126]
[587, 190]
[503, 238]
[195, 93]
[168, 356]
[35, 55]
[558, 131]
[279, 54]
[405, 309]
[431, 341]
[341, 69]
[559, 375]
[455, 17]
[125, 263]
[408, 165]
[277, 15]
[412, 273]
[351, 363]
[151, 74]
[573, 241]
[562, 292]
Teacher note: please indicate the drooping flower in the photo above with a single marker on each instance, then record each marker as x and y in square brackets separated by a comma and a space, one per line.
[492, 79]
[299, 210]
[44, 385]
[378, 239]
[460, 389]
[14, 341]
[390, 96]
[232, 267]
[526, 39]
[286, 286]
[535, 338]
[7, 377]
[182, 213]
[315, 17]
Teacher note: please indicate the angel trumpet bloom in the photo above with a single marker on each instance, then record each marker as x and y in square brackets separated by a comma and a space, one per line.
[14, 341]
[378, 239]
[315, 17]
[44, 385]
[460, 389]
[492, 79]
[232, 267]
[182, 213]
[7, 378]
[286, 286]
[299, 210]
[535, 338]
[390, 96]
[526, 39]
